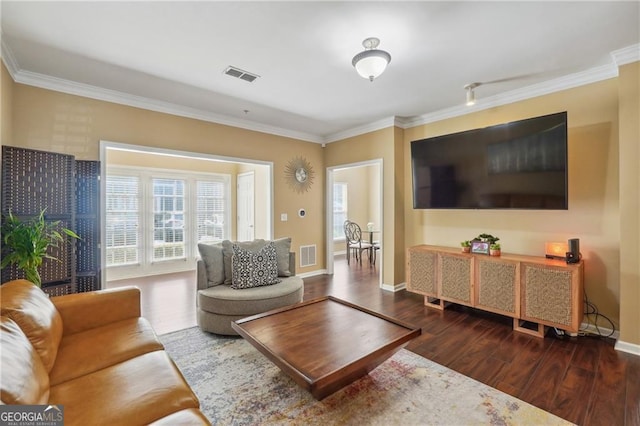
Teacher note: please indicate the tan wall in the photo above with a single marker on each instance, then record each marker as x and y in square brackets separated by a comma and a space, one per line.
[629, 93]
[53, 121]
[593, 214]
[6, 101]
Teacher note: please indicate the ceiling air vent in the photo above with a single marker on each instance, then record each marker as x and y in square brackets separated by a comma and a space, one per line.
[241, 74]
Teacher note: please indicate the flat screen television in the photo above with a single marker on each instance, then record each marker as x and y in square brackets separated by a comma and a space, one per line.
[517, 165]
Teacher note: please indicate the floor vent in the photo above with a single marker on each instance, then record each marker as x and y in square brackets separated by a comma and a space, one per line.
[241, 74]
[307, 255]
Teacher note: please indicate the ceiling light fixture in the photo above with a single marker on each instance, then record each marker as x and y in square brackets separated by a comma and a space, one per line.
[471, 96]
[371, 62]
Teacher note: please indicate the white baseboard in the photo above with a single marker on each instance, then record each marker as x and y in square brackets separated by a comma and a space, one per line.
[394, 287]
[312, 273]
[630, 348]
[588, 327]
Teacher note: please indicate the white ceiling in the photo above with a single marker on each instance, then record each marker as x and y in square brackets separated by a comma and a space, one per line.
[170, 56]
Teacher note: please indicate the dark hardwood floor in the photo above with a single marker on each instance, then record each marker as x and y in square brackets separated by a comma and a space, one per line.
[583, 380]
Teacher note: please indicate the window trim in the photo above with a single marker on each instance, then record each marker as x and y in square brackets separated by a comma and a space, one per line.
[146, 204]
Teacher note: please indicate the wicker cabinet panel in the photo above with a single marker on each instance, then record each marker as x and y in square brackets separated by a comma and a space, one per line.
[422, 275]
[529, 289]
[455, 278]
[496, 286]
[551, 295]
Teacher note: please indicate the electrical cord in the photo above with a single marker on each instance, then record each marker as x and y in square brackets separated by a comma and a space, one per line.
[591, 311]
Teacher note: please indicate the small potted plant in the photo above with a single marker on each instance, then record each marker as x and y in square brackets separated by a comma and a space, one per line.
[486, 238]
[494, 249]
[466, 246]
[25, 243]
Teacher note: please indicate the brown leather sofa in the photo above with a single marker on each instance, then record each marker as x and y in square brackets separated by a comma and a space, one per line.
[92, 353]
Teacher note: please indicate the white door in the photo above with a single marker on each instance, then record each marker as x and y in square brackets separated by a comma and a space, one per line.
[245, 207]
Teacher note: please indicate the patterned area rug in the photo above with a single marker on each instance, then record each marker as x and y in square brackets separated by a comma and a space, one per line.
[237, 385]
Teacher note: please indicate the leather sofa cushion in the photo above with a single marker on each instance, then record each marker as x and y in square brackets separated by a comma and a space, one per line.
[31, 309]
[23, 378]
[89, 351]
[143, 389]
[183, 418]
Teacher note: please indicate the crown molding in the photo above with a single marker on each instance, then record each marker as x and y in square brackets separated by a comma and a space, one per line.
[619, 57]
[626, 55]
[93, 92]
[8, 58]
[361, 130]
[562, 83]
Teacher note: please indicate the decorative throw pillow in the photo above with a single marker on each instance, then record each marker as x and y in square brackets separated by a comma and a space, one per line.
[254, 269]
[283, 247]
[227, 251]
[211, 255]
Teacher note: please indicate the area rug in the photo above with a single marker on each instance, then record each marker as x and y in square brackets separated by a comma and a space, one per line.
[237, 385]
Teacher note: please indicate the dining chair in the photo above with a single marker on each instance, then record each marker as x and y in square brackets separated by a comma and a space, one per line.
[374, 250]
[353, 235]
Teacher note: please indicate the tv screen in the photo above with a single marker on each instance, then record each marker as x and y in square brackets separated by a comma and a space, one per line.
[517, 165]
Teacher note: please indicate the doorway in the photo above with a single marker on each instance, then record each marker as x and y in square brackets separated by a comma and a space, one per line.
[363, 205]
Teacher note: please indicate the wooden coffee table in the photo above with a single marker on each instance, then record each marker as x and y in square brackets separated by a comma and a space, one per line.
[327, 343]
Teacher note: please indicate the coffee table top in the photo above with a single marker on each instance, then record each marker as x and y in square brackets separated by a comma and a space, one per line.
[325, 343]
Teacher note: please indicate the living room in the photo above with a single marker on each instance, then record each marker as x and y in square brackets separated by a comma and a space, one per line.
[603, 135]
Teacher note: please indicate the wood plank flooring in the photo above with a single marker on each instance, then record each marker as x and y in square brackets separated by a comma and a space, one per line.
[583, 380]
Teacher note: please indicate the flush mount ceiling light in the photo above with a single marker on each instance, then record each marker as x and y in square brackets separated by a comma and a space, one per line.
[371, 62]
[471, 96]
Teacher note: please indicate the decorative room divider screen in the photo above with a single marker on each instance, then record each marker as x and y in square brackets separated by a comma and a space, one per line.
[69, 190]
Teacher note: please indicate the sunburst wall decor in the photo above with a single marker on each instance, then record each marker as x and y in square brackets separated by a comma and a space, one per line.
[299, 174]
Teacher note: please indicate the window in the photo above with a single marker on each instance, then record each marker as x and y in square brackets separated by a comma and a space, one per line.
[122, 220]
[340, 213]
[153, 218]
[210, 211]
[168, 219]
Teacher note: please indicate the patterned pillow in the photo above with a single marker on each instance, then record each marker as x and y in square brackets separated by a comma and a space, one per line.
[254, 269]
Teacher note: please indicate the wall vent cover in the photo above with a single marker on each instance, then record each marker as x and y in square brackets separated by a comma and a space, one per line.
[241, 74]
[307, 255]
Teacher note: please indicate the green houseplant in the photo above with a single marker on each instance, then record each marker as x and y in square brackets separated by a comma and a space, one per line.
[25, 243]
[466, 246]
[494, 249]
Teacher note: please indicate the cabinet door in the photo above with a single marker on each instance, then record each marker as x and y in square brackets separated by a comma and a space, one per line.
[497, 285]
[422, 277]
[552, 295]
[456, 278]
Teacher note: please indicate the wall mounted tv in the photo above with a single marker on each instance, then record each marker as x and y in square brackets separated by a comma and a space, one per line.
[517, 165]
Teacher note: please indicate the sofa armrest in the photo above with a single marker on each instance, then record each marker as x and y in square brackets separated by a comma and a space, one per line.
[84, 311]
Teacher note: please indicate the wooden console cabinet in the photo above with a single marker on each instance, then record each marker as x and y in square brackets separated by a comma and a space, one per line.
[534, 291]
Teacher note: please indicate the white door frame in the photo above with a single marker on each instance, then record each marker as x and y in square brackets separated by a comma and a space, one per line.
[329, 211]
[247, 197]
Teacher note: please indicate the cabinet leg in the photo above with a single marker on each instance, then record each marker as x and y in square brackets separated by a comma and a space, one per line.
[432, 302]
[518, 325]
